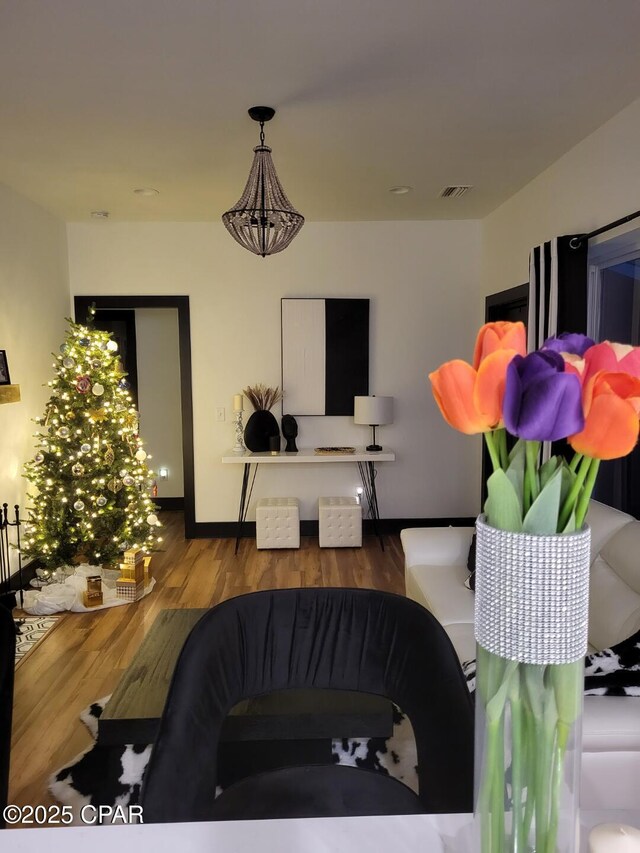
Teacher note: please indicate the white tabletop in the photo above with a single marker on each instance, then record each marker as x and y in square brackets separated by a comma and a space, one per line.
[400, 834]
[307, 454]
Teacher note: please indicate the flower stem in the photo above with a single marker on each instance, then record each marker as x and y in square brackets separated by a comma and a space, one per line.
[583, 503]
[577, 458]
[574, 491]
[518, 745]
[556, 782]
[493, 450]
[502, 448]
[531, 485]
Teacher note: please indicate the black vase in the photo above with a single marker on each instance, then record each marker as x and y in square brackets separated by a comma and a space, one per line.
[260, 427]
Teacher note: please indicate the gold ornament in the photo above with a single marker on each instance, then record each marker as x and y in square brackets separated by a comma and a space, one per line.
[96, 416]
[114, 485]
[70, 416]
[109, 456]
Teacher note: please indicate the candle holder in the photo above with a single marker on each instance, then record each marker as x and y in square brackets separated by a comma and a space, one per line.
[239, 446]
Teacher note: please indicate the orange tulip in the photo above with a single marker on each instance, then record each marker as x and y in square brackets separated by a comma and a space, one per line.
[471, 400]
[501, 335]
[611, 403]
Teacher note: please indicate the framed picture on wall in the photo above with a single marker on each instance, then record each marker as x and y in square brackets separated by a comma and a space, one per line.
[325, 355]
[4, 368]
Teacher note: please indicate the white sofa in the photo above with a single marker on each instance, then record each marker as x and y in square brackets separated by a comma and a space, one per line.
[435, 572]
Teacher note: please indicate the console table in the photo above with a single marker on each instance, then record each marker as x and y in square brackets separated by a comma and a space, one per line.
[365, 461]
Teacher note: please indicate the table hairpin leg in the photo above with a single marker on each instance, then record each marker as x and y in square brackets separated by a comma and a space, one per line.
[244, 500]
[368, 474]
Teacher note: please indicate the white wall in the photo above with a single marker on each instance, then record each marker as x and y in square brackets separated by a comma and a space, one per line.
[159, 403]
[596, 182]
[423, 282]
[34, 300]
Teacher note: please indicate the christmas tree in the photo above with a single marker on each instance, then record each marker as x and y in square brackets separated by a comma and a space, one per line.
[89, 468]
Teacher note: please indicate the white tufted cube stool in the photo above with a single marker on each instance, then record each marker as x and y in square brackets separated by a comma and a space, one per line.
[340, 523]
[278, 523]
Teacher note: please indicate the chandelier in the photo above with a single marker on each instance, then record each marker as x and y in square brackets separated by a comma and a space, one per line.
[263, 220]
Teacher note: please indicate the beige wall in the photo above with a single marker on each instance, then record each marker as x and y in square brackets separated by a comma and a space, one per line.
[158, 358]
[34, 300]
[423, 282]
[596, 182]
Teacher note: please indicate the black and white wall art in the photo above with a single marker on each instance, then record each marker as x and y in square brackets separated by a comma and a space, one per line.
[325, 355]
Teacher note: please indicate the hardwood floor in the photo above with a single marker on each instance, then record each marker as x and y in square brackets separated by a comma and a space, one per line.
[83, 658]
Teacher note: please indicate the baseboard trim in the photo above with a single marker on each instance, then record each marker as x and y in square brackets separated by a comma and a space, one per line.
[170, 504]
[229, 529]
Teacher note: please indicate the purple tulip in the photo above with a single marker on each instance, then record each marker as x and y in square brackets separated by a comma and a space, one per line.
[541, 401]
[571, 342]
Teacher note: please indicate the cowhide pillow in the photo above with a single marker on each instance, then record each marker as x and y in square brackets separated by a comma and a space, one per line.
[612, 672]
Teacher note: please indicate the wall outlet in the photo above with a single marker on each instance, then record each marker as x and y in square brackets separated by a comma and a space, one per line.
[220, 413]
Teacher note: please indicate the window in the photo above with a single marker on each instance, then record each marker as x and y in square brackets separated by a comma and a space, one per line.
[614, 315]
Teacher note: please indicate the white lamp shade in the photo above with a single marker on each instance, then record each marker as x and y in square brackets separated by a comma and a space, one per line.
[373, 411]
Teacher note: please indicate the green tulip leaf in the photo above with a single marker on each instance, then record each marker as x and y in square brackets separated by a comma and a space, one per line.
[502, 507]
[542, 518]
[518, 450]
[568, 479]
[547, 470]
[515, 471]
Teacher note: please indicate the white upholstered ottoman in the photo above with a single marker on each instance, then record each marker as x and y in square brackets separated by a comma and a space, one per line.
[340, 523]
[278, 523]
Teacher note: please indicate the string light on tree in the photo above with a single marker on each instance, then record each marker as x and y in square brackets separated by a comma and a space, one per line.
[89, 470]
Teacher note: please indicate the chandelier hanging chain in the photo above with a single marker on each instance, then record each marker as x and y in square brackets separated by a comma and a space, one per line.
[261, 133]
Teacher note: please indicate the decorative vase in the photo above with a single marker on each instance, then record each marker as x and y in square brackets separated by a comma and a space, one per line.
[260, 427]
[531, 611]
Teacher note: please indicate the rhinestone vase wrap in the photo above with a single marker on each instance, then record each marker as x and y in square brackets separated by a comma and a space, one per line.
[532, 594]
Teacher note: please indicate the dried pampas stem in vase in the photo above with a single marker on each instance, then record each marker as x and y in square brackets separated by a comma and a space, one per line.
[262, 397]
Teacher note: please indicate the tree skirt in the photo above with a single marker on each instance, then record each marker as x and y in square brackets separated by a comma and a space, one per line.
[66, 593]
[112, 775]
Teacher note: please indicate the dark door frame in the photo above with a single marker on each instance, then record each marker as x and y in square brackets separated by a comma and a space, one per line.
[495, 307]
[81, 309]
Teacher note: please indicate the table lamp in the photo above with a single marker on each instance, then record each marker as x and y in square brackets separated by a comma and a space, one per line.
[374, 411]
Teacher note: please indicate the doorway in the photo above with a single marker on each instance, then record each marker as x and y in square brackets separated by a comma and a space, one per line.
[511, 305]
[111, 309]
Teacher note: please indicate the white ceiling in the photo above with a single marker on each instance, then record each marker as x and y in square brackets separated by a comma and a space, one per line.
[98, 97]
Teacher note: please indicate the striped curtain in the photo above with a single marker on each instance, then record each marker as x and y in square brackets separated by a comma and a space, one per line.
[558, 295]
[557, 289]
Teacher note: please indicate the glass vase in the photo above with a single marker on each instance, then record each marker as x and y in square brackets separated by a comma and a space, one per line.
[531, 637]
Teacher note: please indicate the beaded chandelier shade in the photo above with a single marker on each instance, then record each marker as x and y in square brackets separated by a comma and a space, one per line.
[263, 221]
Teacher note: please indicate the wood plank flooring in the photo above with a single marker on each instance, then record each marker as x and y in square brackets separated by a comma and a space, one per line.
[83, 658]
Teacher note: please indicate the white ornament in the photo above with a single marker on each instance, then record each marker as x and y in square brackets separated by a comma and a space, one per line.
[152, 519]
[122, 472]
[112, 346]
[101, 501]
[98, 389]
[85, 448]
[78, 505]
[141, 455]
[68, 362]
[128, 480]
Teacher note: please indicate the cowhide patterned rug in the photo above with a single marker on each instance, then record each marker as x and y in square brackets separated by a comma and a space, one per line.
[112, 776]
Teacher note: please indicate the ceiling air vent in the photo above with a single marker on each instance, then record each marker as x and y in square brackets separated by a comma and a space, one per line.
[455, 192]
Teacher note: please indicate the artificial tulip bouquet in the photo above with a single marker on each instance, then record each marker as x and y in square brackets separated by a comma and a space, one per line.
[570, 388]
[589, 394]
